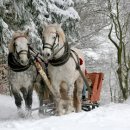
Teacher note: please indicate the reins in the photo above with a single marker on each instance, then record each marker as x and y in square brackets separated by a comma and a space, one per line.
[80, 71]
[36, 57]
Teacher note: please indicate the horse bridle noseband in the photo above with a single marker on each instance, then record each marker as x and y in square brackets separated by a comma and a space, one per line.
[53, 46]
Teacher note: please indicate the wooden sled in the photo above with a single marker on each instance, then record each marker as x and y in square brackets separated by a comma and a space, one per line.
[94, 97]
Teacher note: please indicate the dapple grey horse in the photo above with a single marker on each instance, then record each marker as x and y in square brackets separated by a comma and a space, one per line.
[23, 75]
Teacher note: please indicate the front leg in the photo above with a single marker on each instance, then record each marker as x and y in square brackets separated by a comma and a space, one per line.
[27, 95]
[18, 102]
[18, 99]
[70, 92]
[57, 99]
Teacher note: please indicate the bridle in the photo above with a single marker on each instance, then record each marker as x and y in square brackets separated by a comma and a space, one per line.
[61, 60]
[13, 59]
[16, 53]
[49, 46]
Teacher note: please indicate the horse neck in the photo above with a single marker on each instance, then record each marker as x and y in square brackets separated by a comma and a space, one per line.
[60, 51]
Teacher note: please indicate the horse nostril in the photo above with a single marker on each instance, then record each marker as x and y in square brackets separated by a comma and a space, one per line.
[48, 54]
[22, 61]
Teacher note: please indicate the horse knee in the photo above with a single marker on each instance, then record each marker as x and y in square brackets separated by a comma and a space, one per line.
[70, 90]
[24, 92]
[18, 99]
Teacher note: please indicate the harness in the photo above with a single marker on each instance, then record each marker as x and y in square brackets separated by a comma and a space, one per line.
[80, 71]
[65, 57]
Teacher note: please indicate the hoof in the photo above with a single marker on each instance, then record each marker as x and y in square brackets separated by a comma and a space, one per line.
[28, 113]
[24, 114]
[21, 113]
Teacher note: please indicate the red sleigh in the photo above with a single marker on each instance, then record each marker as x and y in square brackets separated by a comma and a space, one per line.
[93, 97]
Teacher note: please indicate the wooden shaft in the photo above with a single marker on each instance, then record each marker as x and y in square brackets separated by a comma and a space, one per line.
[44, 76]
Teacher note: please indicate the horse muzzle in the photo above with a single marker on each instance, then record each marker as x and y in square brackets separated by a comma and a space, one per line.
[46, 56]
[23, 60]
[24, 63]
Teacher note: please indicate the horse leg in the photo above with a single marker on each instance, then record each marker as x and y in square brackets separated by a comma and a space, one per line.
[40, 93]
[43, 94]
[28, 99]
[70, 107]
[64, 97]
[18, 102]
[18, 99]
[57, 99]
[78, 95]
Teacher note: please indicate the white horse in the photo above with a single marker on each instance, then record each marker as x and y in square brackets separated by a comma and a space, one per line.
[62, 68]
[23, 74]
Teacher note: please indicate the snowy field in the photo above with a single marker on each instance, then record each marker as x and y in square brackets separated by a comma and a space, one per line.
[107, 117]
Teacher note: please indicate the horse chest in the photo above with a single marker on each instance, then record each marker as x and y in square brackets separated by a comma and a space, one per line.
[21, 79]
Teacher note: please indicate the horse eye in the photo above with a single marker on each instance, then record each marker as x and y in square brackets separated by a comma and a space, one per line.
[54, 37]
[43, 39]
[15, 44]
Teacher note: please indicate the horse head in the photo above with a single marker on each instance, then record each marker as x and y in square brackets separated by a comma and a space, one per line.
[19, 47]
[53, 41]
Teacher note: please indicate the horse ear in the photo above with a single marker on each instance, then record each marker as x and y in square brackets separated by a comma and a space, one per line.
[44, 25]
[10, 46]
[27, 32]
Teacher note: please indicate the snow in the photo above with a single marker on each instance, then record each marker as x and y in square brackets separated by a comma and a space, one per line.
[68, 13]
[65, 3]
[91, 53]
[108, 117]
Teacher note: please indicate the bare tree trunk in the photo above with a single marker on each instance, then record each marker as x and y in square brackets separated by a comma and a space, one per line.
[120, 29]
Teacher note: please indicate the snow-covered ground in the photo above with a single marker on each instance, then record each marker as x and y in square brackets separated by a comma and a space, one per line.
[107, 117]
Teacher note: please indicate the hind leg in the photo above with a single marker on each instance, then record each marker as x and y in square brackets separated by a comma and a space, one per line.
[43, 94]
[40, 91]
[78, 94]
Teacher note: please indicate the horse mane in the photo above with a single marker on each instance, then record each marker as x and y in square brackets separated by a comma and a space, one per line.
[58, 29]
[15, 35]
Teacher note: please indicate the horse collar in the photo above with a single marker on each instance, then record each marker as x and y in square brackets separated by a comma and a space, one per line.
[15, 65]
[63, 59]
